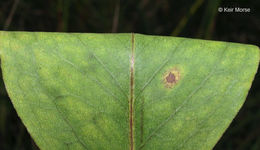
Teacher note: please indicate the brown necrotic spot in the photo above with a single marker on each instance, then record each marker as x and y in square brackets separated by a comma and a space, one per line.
[171, 77]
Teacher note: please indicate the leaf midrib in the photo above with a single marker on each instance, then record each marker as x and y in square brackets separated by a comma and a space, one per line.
[131, 100]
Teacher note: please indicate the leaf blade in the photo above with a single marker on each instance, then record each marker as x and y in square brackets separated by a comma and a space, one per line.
[191, 69]
[72, 90]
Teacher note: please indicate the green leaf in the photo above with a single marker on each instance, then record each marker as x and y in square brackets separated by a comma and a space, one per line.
[125, 91]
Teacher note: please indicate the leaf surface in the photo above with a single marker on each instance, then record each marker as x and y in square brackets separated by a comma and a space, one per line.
[125, 91]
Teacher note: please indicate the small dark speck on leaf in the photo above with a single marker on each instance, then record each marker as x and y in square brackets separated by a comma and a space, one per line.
[170, 78]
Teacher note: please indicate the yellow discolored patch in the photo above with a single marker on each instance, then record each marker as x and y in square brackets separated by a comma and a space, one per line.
[171, 77]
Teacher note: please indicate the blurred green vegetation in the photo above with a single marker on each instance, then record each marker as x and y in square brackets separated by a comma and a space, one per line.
[187, 18]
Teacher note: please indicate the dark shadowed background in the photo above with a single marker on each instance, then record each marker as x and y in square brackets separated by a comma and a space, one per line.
[185, 18]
